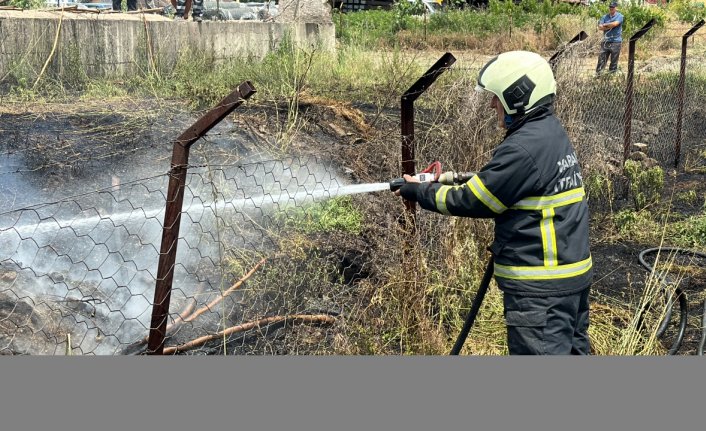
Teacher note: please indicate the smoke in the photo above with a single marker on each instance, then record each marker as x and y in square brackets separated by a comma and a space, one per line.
[88, 265]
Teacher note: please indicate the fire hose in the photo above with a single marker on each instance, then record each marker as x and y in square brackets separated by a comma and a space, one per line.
[475, 306]
[680, 295]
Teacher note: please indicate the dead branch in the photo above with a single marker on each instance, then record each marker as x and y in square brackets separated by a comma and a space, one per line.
[189, 307]
[148, 40]
[53, 50]
[154, 10]
[230, 290]
[80, 11]
[63, 8]
[320, 319]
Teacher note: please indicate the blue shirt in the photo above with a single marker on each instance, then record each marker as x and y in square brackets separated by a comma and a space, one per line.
[615, 34]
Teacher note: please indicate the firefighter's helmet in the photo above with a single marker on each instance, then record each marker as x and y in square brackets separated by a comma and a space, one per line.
[520, 79]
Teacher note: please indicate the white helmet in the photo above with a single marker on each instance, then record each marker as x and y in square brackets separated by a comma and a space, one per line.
[520, 79]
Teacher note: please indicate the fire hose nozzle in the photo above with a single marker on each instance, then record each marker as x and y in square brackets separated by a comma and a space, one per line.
[447, 178]
[424, 177]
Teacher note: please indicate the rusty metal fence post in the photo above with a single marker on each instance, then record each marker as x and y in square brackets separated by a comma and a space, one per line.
[627, 116]
[172, 214]
[680, 91]
[407, 114]
[554, 59]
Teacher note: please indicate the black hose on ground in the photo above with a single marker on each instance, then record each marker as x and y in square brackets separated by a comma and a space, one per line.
[475, 306]
[683, 303]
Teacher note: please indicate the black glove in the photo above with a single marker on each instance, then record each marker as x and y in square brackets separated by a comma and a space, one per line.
[409, 191]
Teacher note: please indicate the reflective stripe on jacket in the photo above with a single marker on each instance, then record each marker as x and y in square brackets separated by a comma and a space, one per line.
[533, 189]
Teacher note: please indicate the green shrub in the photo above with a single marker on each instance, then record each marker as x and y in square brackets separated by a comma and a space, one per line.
[690, 232]
[464, 21]
[638, 226]
[599, 188]
[380, 27]
[645, 184]
[368, 28]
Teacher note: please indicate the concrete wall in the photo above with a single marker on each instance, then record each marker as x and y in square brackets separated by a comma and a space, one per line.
[115, 44]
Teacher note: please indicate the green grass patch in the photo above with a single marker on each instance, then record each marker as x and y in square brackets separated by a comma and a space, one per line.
[336, 214]
[690, 233]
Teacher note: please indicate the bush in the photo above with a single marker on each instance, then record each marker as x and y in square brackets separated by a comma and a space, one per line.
[645, 184]
[638, 226]
[691, 232]
[369, 28]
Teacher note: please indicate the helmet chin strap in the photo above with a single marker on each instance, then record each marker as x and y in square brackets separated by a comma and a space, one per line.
[508, 120]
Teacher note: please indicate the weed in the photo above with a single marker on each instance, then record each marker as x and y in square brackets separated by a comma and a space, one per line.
[690, 232]
[599, 188]
[638, 226]
[687, 11]
[688, 197]
[645, 184]
[28, 4]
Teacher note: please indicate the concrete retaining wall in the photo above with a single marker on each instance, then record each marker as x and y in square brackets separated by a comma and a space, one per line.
[116, 44]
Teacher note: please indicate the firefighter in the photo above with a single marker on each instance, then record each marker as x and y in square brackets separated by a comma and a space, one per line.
[533, 189]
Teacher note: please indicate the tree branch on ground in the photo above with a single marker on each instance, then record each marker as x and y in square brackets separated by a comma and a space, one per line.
[321, 319]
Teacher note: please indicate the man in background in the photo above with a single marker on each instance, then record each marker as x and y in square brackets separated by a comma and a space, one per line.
[611, 24]
[196, 10]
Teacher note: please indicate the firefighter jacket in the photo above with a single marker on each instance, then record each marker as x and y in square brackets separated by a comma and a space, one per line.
[533, 189]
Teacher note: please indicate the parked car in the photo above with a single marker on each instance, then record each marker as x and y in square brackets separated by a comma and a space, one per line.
[231, 10]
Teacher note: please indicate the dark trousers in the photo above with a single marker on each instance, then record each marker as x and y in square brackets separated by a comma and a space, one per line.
[555, 325]
[196, 8]
[611, 49]
[131, 5]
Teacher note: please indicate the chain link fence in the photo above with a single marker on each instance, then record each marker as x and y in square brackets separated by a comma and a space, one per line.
[594, 108]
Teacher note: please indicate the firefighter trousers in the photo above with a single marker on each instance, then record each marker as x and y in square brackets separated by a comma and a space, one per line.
[554, 325]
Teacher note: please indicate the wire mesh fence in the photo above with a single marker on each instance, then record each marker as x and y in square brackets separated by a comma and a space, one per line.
[594, 108]
[78, 275]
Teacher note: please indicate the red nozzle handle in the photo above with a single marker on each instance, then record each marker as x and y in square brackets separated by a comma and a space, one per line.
[435, 168]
